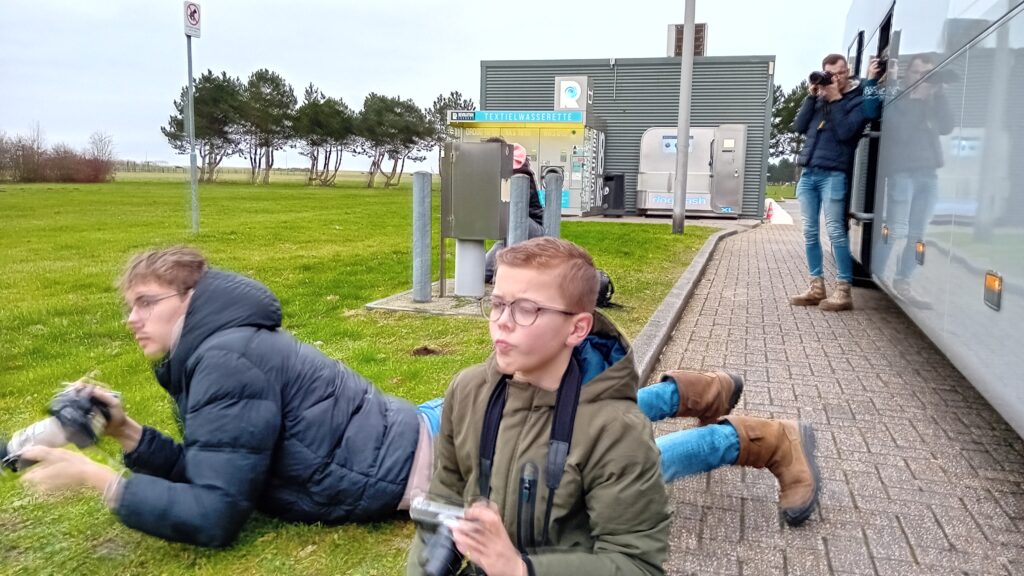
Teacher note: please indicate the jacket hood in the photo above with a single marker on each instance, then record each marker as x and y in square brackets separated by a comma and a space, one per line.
[221, 300]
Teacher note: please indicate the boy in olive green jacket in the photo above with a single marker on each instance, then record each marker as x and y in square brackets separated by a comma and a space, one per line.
[494, 439]
[610, 509]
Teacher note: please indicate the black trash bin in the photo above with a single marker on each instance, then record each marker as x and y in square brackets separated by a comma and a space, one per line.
[614, 194]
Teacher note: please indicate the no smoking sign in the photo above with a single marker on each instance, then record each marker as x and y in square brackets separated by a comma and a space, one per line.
[192, 19]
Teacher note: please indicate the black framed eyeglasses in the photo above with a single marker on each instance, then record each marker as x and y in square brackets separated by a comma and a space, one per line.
[145, 304]
[524, 312]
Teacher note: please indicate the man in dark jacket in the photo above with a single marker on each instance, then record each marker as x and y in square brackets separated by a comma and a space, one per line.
[264, 417]
[831, 119]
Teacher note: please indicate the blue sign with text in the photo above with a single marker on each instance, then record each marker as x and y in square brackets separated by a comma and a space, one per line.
[554, 117]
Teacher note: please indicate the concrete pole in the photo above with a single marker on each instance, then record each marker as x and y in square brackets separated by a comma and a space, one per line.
[683, 135]
[421, 220]
[519, 210]
[469, 268]
[553, 204]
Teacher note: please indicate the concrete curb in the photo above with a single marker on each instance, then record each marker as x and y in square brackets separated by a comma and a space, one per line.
[647, 346]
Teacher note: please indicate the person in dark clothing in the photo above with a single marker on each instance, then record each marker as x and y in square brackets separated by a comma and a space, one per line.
[831, 119]
[263, 417]
[520, 165]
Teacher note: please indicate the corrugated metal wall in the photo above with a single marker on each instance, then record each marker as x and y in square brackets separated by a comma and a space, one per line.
[634, 94]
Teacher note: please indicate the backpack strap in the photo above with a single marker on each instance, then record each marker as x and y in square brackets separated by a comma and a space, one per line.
[489, 433]
[566, 402]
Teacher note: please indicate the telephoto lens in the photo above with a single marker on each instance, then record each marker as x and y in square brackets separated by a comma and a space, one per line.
[75, 418]
[46, 432]
[439, 556]
[818, 78]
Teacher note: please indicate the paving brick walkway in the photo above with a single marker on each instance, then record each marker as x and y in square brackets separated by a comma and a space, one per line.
[921, 475]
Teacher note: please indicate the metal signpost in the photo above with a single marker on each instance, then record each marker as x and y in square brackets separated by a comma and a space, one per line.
[683, 135]
[192, 24]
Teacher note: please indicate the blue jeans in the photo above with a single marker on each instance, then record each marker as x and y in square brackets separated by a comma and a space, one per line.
[683, 453]
[431, 412]
[825, 191]
[911, 198]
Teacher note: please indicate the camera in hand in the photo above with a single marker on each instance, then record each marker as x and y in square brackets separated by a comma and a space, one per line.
[75, 418]
[439, 556]
[883, 66]
[820, 78]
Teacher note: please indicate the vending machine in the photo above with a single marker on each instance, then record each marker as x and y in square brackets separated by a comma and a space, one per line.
[714, 175]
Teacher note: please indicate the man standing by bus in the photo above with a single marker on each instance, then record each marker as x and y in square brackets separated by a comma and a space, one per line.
[831, 119]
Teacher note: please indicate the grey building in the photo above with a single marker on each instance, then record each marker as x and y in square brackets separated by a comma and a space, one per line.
[634, 94]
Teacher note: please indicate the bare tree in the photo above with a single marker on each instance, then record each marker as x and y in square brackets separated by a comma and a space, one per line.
[101, 147]
[6, 155]
[100, 157]
[27, 156]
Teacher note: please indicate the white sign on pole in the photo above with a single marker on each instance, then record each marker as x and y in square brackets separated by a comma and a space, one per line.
[192, 19]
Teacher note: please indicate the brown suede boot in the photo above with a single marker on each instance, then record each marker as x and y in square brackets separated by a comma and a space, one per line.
[786, 447]
[841, 298]
[815, 293]
[706, 395]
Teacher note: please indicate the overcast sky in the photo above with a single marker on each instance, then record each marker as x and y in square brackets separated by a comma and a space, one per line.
[116, 65]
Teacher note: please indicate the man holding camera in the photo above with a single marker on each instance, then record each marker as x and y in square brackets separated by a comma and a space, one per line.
[263, 417]
[831, 119]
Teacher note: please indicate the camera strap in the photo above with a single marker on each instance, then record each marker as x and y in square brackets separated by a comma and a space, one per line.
[566, 402]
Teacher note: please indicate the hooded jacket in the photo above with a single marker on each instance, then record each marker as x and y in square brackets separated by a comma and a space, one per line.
[610, 513]
[268, 424]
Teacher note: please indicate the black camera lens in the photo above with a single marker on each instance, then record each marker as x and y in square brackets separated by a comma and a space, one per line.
[439, 557]
[818, 78]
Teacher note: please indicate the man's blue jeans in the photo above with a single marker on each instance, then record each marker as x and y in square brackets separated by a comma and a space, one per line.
[825, 191]
[683, 453]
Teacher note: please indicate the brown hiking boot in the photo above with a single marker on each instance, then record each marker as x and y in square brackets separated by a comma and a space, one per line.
[815, 293]
[786, 447]
[841, 298]
[706, 395]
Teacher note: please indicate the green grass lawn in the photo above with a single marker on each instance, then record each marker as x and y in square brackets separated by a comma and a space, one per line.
[326, 253]
[780, 192]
